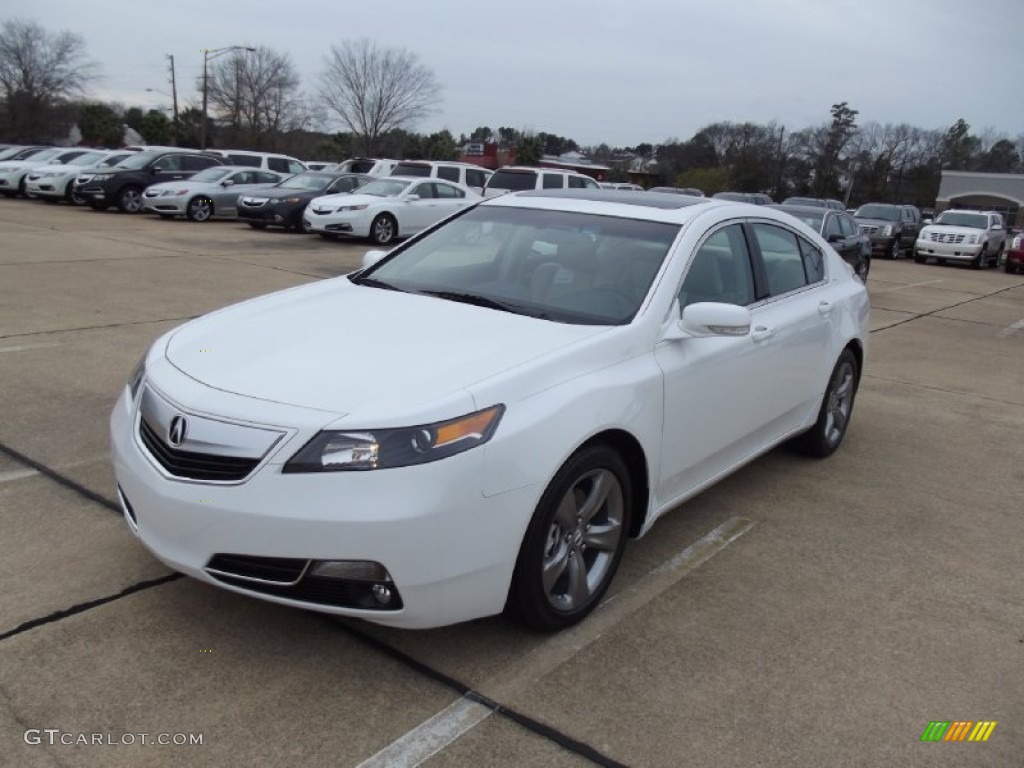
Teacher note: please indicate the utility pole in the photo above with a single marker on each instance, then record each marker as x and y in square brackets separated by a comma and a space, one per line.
[212, 53]
[174, 99]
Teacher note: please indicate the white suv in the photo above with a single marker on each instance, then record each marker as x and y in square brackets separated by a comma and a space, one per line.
[265, 161]
[472, 176]
[516, 178]
[977, 237]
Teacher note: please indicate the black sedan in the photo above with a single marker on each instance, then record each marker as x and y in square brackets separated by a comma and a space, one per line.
[840, 230]
[282, 205]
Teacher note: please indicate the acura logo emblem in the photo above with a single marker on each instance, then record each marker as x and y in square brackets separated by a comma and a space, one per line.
[178, 430]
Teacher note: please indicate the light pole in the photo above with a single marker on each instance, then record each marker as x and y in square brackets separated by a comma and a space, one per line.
[212, 53]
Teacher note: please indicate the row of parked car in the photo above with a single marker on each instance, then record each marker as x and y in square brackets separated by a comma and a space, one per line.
[394, 198]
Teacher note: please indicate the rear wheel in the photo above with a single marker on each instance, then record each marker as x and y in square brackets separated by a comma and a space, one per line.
[199, 209]
[824, 437]
[129, 200]
[574, 542]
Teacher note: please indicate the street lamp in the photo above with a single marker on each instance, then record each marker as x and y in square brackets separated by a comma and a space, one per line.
[212, 53]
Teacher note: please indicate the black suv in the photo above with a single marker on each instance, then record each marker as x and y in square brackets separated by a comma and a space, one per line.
[283, 205]
[893, 228]
[123, 184]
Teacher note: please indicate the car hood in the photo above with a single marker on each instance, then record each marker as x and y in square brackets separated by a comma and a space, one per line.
[876, 222]
[275, 193]
[69, 167]
[344, 348]
[352, 198]
[954, 229]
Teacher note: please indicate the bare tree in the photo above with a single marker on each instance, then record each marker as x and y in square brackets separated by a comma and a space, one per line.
[38, 71]
[258, 92]
[375, 90]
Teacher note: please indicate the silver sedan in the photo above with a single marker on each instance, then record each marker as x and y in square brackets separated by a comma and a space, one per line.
[213, 192]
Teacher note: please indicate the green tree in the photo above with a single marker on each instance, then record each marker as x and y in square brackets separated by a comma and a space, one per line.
[154, 127]
[529, 149]
[100, 125]
[959, 147]
[440, 146]
[1001, 157]
[829, 163]
[132, 117]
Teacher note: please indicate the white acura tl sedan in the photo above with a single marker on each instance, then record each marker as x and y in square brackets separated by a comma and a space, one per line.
[478, 420]
[386, 209]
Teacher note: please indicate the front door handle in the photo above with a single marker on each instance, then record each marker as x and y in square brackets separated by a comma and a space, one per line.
[825, 307]
[760, 333]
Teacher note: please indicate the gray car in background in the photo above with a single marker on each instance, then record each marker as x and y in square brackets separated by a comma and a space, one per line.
[213, 192]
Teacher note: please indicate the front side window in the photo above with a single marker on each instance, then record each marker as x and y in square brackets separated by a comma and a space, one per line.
[278, 164]
[847, 225]
[447, 191]
[252, 161]
[577, 182]
[720, 271]
[448, 172]
[425, 191]
[169, 163]
[831, 227]
[475, 178]
[783, 260]
[196, 162]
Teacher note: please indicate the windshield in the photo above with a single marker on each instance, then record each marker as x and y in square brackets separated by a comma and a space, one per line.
[384, 188]
[561, 266]
[138, 160]
[311, 182]
[961, 219]
[112, 160]
[89, 158]
[213, 174]
[811, 219]
[886, 212]
[44, 156]
[514, 181]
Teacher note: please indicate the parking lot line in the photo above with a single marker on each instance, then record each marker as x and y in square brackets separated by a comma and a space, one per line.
[904, 287]
[1011, 329]
[430, 736]
[23, 347]
[447, 726]
[17, 474]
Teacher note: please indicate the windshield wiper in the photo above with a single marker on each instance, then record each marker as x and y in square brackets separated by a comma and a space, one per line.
[373, 282]
[479, 301]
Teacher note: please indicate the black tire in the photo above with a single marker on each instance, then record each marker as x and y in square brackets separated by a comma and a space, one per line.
[997, 256]
[894, 250]
[50, 200]
[98, 206]
[588, 503]
[981, 260]
[827, 434]
[21, 186]
[1009, 268]
[256, 224]
[129, 199]
[862, 268]
[383, 229]
[199, 209]
[919, 259]
[328, 235]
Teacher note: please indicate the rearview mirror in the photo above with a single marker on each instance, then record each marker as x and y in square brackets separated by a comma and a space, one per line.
[372, 257]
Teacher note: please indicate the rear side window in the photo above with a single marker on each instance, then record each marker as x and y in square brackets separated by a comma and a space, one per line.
[783, 260]
[515, 181]
[411, 169]
[278, 164]
[577, 182]
[197, 162]
[814, 261]
[447, 172]
[251, 161]
[475, 178]
[552, 180]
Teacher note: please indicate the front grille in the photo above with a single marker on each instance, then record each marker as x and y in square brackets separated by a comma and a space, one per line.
[945, 237]
[194, 466]
[868, 230]
[316, 590]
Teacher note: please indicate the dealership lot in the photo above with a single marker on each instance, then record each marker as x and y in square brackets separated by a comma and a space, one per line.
[799, 613]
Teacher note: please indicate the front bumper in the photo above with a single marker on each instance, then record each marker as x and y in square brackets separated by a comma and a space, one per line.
[171, 204]
[882, 246]
[951, 251]
[1015, 259]
[48, 188]
[287, 215]
[354, 223]
[10, 181]
[449, 550]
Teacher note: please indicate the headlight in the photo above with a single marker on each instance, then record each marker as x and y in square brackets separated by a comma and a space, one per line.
[971, 239]
[137, 376]
[176, 193]
[50, 174]
[102, 177]
[886, 230]
[290, 200]
[333, 451]
[353, 208]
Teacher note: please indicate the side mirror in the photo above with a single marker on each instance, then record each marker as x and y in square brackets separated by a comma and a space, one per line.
[227, 183]
[926, 222]
[997, 228]
[411, 198]
[714, 319]
[372, 257]
[834, 237]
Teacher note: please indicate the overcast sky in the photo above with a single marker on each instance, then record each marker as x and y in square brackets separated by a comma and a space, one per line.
[596, 71]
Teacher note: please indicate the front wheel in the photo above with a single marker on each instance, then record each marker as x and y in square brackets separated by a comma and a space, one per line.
[863, 267]
[129, 200]
[981, 260]
[574, 542]
[824, 437]
[894, 249]
[383, 230]
[257, 224]
[919, 259]
[199, 209]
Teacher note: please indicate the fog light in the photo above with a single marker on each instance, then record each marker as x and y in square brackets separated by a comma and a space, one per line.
[359, 570]
[382, 593]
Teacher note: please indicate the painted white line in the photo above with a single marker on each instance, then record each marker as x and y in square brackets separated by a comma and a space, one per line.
[909, 285]
[430, 737]
[23, 347]
[433, 735]
[17, 474]
[1011, 329]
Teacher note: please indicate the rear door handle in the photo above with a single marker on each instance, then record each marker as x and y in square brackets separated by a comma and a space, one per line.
[761, 333]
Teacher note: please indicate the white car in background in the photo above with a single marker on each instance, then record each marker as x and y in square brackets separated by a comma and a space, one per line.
[213, 192]
[53, 183]
[975, 237]
[480, 419]
[386, 209]
[13, 172]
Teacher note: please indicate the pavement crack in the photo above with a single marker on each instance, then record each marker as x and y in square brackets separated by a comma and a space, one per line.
[99, 327]
[60, 479]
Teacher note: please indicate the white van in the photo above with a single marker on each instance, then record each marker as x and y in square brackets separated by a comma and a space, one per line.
[369, 166]
[473, 176]
[516, 178]
[267, 161]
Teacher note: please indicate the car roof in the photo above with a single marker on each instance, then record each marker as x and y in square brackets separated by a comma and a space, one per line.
[808, 209]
